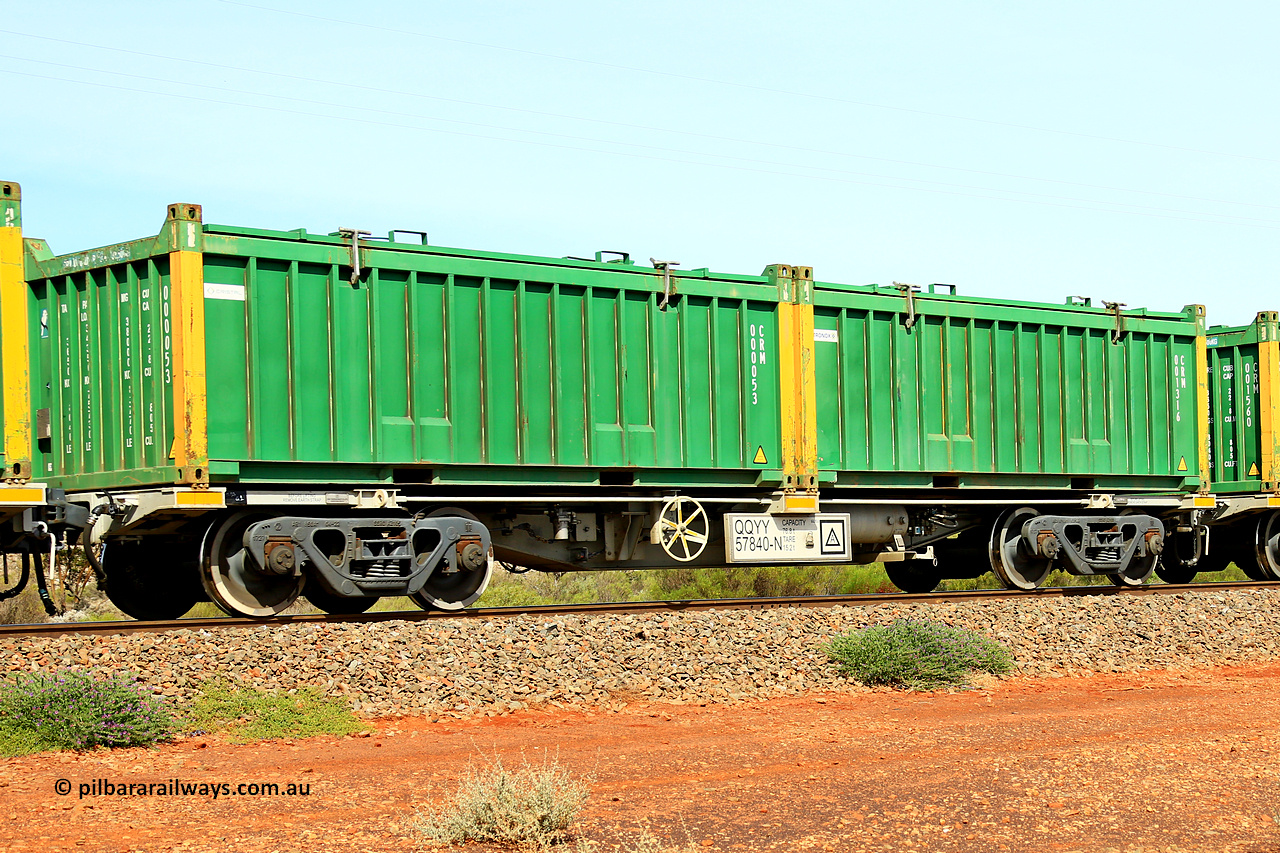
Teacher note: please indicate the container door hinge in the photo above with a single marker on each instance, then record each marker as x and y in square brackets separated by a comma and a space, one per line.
[909, 291]
[355, 234]
[665, 266]
[1114, 308]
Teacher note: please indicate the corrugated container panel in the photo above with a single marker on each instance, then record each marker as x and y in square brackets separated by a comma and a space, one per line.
[1242, 359]
[995, 393]
[477, 367]
[102, 365]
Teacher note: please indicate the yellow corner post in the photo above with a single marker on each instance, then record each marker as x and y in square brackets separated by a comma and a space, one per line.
[186, 300]
[796, 377]
[14, 341]
[1202, 401]
[1268, 326]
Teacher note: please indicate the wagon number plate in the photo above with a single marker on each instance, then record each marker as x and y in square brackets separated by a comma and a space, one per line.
[764, 538]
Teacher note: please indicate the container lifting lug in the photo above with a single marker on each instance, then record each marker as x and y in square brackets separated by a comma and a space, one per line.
[665, 266]
[1114, 308]
[909, 291]
[355, 234]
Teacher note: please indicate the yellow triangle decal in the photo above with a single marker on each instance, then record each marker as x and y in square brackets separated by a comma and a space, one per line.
[1253, 470]
[760, 458]
[1182, 464]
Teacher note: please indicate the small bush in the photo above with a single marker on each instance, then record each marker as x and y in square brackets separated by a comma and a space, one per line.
[531, 806]
[75, 710]
[917, 655]
[247, 715]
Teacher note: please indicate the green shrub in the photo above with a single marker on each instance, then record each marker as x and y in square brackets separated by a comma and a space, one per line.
[75, 710]
[247, 715]
[531, 806]
[917, 655]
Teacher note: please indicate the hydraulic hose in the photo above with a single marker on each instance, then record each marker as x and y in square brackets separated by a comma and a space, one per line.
[99, 574]
[22, 580]
[43, 588]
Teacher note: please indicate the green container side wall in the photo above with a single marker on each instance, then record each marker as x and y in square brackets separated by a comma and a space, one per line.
[1000, 389]
[103, 367]
[1235, 447]
[442, 361]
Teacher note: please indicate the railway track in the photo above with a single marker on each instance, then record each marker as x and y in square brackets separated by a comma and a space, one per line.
[635, 607]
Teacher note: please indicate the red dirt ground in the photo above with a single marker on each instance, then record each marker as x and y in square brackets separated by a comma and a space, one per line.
[1148, 762]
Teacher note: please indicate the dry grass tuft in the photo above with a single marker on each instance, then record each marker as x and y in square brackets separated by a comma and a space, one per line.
[530, 807]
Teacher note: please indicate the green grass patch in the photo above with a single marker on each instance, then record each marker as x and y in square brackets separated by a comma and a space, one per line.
[917, 655]
[531, 807]
[77, 711]
[247, 715]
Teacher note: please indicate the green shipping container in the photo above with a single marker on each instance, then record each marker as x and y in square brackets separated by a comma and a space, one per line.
[398, 363]
[935, 389]
[1244, 392]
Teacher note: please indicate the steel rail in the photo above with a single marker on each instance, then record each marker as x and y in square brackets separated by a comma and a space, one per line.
[53, 629]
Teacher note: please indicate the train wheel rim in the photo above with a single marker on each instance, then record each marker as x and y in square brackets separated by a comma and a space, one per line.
[231, 582]
[453, 591]
[1267, 546]
[1011, 563]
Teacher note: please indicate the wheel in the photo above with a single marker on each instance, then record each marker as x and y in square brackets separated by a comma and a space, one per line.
[1013, 563]
[910, 578]
[1172, 566]
[1139, 568]
[458, 589]
[336, 605]
[151, 579]
[230, 579]
[1173, 572]
[964, 556]
[1266, 548]
[683, 521]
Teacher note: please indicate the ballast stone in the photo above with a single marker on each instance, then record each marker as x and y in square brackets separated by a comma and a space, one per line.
[495, 667]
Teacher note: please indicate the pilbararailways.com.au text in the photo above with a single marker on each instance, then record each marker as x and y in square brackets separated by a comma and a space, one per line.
[181, 788]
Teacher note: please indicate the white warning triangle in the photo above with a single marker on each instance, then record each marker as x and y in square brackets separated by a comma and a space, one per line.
[833, 538]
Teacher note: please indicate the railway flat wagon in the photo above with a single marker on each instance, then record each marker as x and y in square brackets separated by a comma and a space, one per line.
[249, 415]
[1244, 525]
[232, 405]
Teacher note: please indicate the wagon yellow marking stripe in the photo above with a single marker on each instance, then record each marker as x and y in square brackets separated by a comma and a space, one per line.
[14, 354]
[200, 498]
[25, 495]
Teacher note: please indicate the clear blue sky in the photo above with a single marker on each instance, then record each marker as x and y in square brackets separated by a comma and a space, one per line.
[1120, 150]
